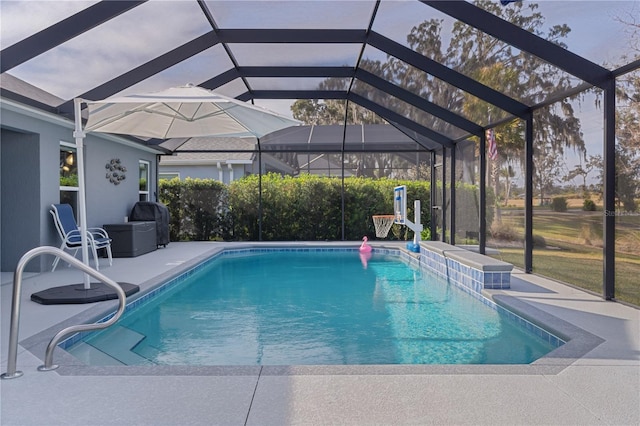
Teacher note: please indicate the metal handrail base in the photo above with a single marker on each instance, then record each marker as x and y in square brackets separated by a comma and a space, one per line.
[45, 368]
[15, 375]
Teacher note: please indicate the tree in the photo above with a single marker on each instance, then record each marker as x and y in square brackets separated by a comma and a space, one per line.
[627, 180]
[583, 170]
[547, 165]
[628, 141]
[508, 174]
[486, 59]
[313, 111]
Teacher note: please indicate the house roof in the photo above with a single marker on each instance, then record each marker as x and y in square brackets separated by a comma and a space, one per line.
[22, 91]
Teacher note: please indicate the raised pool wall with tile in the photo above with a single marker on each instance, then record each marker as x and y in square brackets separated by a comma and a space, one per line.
[469, 270]
[473, 273]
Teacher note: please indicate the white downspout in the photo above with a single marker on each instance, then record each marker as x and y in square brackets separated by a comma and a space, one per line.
[220, 173]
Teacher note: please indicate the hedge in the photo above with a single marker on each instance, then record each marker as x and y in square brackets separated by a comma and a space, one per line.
[198, 209]
[303, 208]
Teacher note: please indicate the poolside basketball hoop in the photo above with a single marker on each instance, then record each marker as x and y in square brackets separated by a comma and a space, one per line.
[383, 224]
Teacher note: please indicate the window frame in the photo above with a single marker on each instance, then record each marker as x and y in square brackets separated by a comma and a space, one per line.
[144, 195]
[69, 147]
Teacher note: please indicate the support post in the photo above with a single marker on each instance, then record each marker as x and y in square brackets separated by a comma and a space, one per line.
[342, 198]
[444, 194]
[528, 195]
[433, 210]
[259, 192]
[482, 234]
[609, 172]
[452, 180]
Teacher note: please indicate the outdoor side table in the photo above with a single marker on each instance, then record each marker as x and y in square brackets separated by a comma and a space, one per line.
[132, 239]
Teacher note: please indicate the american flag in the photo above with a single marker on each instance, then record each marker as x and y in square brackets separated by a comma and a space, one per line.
[493, 147]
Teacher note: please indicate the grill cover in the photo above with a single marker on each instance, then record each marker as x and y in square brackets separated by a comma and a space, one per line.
[149, 211]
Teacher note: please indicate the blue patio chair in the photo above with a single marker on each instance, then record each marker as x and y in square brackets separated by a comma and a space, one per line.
[97, 238]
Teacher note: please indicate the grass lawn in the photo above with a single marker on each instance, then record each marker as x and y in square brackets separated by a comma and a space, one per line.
[574, 250]
[581, 269]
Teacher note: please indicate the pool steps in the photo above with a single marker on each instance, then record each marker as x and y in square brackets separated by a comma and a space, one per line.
[115, 348]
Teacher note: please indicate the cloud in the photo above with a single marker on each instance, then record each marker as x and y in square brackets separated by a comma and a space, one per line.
[113, 48]
[21, 19]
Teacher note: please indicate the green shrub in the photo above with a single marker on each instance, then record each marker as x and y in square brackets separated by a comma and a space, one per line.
[503, 231]
[559, 204]
[303, 208]
[198, 209]
[71, 180]
[539, 241]
[589, 205]
[630, 205]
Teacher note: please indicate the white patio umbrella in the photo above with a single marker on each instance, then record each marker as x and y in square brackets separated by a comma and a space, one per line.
[179, 112]
[187, 111]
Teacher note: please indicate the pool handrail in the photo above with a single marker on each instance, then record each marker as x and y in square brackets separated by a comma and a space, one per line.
[12, 373]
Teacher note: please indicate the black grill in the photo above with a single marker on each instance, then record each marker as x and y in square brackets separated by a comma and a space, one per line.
[149, 211]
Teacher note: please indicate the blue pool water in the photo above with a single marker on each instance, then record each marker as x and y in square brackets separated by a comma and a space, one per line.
[315, 308]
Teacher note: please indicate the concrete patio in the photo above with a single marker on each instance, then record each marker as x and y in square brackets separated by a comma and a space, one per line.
[600, 386]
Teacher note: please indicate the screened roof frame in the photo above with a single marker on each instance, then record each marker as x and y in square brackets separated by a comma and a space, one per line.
[101, 12]
[590, 74]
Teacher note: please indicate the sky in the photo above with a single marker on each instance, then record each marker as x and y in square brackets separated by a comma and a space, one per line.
[159, 26]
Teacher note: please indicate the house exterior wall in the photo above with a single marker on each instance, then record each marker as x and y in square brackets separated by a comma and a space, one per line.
[106, 202]
[31, 181]
[20, 207]
[206, 171]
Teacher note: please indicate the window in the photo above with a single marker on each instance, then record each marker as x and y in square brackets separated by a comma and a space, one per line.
[169, 175]
[145, 166]
[68, 176]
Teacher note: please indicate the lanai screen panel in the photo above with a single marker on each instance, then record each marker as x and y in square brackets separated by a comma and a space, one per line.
[501, 66]
[403, 108]
[298, 83]
[233, 89]
[292, 14]
[423, 141]
[23, 23]
[475, 54]
[628, 222]
[295, 54]
[431, 88]
[358, 138]
[114, 47]
[383, 137]
[196, 69]
[600, 29]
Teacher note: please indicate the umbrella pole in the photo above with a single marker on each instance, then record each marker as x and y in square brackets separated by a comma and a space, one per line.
[79, 135]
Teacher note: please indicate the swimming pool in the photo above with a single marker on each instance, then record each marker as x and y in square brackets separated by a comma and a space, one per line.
[316, 307]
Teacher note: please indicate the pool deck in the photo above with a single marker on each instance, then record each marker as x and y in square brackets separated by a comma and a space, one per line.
[598, 386]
